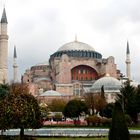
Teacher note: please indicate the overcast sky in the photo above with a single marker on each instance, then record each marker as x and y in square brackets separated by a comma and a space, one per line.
[39, 27]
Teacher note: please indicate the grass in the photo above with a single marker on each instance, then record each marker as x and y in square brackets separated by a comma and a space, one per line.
[71, 139]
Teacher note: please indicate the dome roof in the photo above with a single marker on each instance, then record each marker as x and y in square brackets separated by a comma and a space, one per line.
[76, 46]
[50, 93]
[110, 84]
[77, 49]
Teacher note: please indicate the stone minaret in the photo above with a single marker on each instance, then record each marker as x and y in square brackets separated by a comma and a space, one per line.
[15, 67]
[3, 49]
[128, 62]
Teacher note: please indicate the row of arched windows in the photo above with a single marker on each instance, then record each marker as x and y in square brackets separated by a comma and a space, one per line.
[83, 73]
[89, 54]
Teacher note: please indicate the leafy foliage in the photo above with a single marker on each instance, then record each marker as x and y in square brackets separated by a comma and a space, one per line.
[94, 120]
[4, 90]
[100, 103]
[130, 99]
[45, 111]
[90, 102]
[74, 109]
[107, 111]
[57, 105]
[95, 101]
[118, 129]
[19, 109]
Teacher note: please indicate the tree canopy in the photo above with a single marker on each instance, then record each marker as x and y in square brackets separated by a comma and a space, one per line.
[57, 105]
[74, 108]
[107, 111]
[130, 99]
[95, 101]
[4, 90]
[19, 109]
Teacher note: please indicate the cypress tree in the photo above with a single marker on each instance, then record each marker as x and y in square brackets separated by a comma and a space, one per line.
[118, 129]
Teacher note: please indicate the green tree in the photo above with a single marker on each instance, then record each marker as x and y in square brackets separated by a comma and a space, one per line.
[58, 117]
[57, 105]
[20, 110]
[74, 109]
[138, 98]
[45, 111]
[118, 129]
[4, 90]
[107, 111]
[128, 98]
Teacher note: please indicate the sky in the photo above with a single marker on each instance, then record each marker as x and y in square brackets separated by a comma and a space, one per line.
[38, 28]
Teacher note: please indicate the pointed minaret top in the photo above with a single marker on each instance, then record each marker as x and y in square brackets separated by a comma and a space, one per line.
[127, 51]
[4, 18]
[15, 53]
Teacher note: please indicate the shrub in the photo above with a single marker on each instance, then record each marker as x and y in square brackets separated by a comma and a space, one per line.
[93, 120]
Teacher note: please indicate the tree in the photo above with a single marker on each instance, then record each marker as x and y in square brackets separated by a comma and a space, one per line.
[58, 117]
[90, 102]
[138, 98]
[128, 98]
[107, 111]
[95, 102]
[74, 109]
[21, 110]
[57, 105]
[45, 111]
[100, 103]
[118, 129]
[4, 90]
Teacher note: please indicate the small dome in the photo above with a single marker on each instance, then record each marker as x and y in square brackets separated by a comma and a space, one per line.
[76, 46]
[110, 84]
[50, 93]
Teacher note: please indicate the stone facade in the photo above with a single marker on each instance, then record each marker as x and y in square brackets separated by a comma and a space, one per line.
[72, 69]
[37, 78]
[69, 67]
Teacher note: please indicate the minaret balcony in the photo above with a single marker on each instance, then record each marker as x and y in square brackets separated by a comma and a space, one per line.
[4, 37]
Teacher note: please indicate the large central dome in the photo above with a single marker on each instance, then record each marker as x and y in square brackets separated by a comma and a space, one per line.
[77, 49]
[76, 46]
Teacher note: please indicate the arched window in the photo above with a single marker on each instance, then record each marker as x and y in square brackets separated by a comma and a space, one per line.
[83, 72]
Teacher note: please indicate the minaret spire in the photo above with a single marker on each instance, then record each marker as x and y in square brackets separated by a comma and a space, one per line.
[15, 53]
[127, 51]
[15, 66]
[3, 49]
[128, 62]
[4, 17]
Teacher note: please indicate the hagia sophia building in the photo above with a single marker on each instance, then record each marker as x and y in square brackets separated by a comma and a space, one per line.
[74, 69]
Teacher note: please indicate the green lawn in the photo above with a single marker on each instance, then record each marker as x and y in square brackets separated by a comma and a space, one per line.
[79, 139]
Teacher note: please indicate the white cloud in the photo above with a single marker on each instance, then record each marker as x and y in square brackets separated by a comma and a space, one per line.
[39, 27]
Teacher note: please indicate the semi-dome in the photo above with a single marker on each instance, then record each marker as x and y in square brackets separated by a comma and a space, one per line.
[76, 46]
[110, 85]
